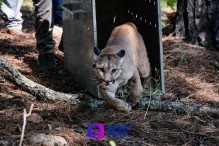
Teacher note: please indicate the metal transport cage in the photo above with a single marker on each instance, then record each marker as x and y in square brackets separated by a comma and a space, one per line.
[89, 23]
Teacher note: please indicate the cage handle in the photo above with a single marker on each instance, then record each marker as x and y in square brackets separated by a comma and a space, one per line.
[72, 12]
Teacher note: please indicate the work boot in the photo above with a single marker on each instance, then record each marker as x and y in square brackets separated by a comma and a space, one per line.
[14, 29]
[46, 60]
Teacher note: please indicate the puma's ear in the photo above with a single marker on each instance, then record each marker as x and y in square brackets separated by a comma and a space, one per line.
[96, 53]
[121, 53]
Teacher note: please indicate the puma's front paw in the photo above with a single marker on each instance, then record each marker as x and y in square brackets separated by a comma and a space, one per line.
[125, 107]
[119, 105]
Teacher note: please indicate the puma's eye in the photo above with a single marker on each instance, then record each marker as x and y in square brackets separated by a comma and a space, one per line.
[101, 69]
[114, 70]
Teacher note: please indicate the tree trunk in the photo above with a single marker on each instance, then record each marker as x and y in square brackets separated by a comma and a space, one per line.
[198, 22]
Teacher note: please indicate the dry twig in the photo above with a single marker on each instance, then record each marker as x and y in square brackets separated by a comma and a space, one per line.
[25, 122]
[148, 104]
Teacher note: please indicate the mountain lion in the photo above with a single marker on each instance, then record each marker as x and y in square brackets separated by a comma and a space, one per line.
[123, 59]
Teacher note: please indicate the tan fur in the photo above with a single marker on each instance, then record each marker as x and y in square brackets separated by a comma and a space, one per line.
[113, 70]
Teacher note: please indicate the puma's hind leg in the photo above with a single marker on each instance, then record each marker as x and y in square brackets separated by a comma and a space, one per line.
[137, 90]
[144, 69]
[143, 64]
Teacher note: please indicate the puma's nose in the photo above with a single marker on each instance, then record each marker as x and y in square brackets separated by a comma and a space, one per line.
[107, 82]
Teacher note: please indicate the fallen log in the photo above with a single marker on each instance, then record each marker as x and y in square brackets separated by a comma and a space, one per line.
[155, 105]
[177, 107]
[33, 88]
[180, 107]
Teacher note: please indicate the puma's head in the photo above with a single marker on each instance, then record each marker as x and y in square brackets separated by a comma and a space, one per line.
[107, 67]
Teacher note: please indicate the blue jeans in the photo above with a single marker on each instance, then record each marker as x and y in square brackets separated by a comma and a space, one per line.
[12, 14]
[57, 13]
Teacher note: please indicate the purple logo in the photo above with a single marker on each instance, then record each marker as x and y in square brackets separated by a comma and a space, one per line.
[95, 131]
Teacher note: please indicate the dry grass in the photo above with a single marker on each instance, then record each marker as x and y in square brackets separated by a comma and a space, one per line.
[188, 72]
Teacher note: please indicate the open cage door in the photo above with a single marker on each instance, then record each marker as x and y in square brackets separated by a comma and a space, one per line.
[89, 23]
[79, 39]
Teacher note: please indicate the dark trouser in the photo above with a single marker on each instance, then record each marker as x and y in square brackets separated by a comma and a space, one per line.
[57, 12]
[216, 27]
[44, 26]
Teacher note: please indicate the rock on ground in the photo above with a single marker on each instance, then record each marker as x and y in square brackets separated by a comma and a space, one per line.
[47, 140]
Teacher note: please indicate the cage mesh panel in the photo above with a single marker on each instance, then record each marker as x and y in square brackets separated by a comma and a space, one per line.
[80, 33]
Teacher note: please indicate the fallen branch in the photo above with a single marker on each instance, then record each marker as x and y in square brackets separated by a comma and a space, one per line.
[157, 105]
[34, 88]
[164, 106]
[25, 122]
[180, 107]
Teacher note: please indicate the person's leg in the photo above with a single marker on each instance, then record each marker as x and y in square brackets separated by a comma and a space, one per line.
[44, 38]
[57, 12]
[216, 28]
[12, 14]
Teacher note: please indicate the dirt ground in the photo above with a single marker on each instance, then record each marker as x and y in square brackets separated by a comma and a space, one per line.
[189, 76]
